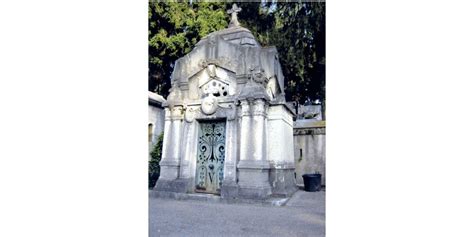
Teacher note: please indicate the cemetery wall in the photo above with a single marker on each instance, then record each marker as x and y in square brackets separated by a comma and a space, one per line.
[309, 138]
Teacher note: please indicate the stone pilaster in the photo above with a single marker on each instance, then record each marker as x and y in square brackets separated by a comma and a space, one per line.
[188, 147]
[229, 188]
[170, 161]
[253, 166]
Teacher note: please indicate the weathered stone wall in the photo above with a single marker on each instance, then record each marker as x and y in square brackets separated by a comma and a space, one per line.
[156, 117]
[309, 137]
[280, 155]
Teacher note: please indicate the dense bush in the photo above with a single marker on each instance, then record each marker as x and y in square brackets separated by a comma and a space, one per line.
[154, 163]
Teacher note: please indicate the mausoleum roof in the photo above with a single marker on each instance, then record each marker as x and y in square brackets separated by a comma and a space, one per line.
[235, 34]
[234, 56]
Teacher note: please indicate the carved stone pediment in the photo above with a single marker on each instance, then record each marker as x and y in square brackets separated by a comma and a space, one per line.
[212, 80]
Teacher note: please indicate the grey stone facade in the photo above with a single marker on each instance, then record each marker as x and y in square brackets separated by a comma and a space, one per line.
[229, 77]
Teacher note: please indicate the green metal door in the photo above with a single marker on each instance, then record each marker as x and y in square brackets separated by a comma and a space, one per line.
[210, 158]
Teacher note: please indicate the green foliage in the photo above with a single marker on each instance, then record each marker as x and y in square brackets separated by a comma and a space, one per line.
[174, 29]
[155, 154]
[297, 29]
[154, 163]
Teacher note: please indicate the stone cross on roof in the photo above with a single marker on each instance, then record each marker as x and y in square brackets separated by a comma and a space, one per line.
[233, 20]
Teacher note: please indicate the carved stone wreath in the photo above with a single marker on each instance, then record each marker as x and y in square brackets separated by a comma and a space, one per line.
[209, 105]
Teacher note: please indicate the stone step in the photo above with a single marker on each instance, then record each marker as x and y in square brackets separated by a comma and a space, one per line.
[204, 197]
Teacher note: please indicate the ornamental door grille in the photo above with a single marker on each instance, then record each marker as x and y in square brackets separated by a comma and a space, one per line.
[210, 157]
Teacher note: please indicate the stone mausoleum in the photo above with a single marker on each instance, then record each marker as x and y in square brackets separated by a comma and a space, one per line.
[228, 130]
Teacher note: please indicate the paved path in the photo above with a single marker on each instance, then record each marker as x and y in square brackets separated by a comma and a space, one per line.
[303, 215]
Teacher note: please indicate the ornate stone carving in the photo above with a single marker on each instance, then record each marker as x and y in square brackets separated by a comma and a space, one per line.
[175, 95]
[253, 90]
[233, 19]
[174, 113]
[189, 114]
[212, 40]
[215, 87]
[259, 107]
[220, 61]
[245, 108]
[258, 75]
[211, 71]
[209, 105]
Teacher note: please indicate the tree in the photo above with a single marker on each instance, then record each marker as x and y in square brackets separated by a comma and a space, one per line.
[174, 29]
[154, 163]
[298, 32]
[296, 29]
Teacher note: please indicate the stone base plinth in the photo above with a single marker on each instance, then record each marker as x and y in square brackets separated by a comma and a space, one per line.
[229, 190]
[169, 169]
[175, 185]
[253, 179]
[283, 181]
[256, 192]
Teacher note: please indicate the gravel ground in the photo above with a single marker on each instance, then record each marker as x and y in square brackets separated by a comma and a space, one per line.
[303, 215]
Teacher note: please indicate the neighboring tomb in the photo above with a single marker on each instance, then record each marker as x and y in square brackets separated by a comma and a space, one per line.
[227, 129]
[311, 111]
[156, 119]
